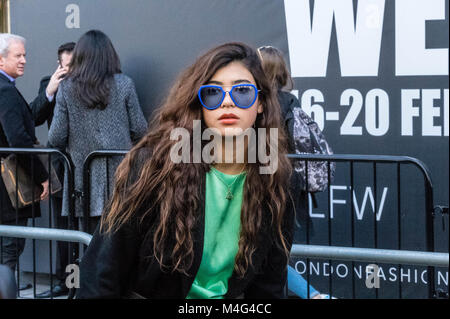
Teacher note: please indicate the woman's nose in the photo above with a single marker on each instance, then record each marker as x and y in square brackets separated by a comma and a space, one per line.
[227, 101]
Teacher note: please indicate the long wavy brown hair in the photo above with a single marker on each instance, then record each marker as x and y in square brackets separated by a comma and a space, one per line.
[174, 188]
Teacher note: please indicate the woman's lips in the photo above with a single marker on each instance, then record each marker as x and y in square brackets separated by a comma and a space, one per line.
[228, 121]
[228, 118]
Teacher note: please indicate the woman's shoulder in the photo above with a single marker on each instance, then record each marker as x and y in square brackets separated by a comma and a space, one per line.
[65, 83]
[123, 79]
[287, 101]
[286, 97]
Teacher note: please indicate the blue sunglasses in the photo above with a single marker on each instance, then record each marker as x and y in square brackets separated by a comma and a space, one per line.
[243, 95]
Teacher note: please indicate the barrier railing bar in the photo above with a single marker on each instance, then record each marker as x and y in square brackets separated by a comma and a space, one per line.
[352, 218]
[429, 233]
[375, 223]
[17, 222]
[86, 179]
[365, 158]
[388, 256]
[33, 224]
[42, 233]
[50, 248]
[308, 279]
[330, 240]
[399, 224]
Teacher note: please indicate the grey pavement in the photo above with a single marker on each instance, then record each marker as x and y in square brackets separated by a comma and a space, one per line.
[42, 284]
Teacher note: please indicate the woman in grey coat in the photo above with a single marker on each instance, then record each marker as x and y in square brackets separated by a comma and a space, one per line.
[96, 108]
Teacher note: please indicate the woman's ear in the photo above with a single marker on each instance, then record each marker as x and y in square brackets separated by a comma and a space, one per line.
[260, 108]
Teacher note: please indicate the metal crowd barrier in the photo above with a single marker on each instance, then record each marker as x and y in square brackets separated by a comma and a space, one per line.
[4, 152]
[387, 256]
[106, 154]
[311, 251]
[374, 160]
[41, 233]
[332, 252]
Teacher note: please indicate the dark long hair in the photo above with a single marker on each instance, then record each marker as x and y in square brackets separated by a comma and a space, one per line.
[174, 187]
[94, 63]
[275, 68]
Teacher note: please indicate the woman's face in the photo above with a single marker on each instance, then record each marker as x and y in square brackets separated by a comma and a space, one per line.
[228, 118]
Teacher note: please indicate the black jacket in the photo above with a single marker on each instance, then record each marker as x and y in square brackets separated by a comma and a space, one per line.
[17, 130]
[305, 227]
[41, 108]
[287, 103]
[116, 264]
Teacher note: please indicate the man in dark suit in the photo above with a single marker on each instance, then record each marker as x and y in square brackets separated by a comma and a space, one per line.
[42, 108]
[16, 130]
[44, 104]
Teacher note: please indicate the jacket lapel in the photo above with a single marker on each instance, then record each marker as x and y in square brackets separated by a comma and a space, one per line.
[24, 101]
[198, 234]
[8, 82]
[237, 284]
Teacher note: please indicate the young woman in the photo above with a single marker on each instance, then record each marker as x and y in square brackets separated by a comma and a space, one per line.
[276, 70]
[96, 108]
[199, 230]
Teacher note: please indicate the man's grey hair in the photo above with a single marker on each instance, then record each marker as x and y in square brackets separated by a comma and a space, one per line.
[6, 39]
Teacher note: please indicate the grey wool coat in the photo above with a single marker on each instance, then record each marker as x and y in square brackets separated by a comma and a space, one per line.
[79, 130]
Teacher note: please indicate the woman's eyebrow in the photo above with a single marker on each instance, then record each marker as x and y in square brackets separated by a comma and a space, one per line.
[234, 82]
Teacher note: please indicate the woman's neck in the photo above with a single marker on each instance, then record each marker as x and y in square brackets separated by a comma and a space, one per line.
[230, 168]
[234, 163]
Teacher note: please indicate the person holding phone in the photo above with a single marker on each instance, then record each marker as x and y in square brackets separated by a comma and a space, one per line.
[43, 105]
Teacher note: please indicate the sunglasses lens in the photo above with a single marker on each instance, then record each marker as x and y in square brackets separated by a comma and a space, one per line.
[244, 95]
[211, 96]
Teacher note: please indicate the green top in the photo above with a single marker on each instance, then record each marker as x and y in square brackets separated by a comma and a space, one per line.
[221, 240]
